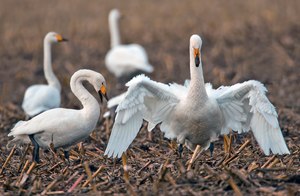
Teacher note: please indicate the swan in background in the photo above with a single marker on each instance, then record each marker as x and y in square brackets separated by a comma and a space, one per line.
[124, 60]
[60, 126]
[196, 114]
[39, 98]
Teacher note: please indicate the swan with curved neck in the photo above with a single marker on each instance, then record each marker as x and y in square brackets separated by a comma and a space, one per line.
[113, 19]
[195, 114]
[39, 98]
[63, 127]
[124, 60]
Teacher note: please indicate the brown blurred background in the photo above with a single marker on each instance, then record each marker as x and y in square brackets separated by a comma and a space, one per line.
[241, 40]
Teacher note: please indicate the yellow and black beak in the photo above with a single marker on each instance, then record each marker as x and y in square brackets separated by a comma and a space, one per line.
[102, 93]
[60, 38]
[197, 56]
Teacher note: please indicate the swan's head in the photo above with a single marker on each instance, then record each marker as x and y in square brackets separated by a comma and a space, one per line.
[100, 86]
[195, 46]
[114, 14]
[53, 37]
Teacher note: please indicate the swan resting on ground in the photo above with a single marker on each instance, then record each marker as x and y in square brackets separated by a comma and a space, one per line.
[39, 98]
[60, 126]
[196, 114]
[124, 60]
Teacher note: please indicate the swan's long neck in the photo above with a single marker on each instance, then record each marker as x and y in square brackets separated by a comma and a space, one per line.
[114, 31]
[197, 87]
[50, 76]
[91, 109]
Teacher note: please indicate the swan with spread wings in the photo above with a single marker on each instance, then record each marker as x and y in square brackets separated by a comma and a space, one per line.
[196, 114]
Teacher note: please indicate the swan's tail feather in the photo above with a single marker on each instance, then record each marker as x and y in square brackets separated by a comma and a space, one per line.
[18, 141]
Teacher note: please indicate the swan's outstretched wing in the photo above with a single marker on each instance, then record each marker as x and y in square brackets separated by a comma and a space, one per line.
[39, 98]
[116, 100]
[244, 107]
[145, 99]
[177, 89]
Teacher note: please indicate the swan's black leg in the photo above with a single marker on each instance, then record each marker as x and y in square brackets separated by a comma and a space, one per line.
[67, 155]
[211, 148]
[238, 138]
[35, 155]
[180, 150]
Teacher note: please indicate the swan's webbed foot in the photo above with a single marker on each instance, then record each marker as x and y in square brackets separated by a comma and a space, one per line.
[180, 150]
[211, 148]
[35, 155]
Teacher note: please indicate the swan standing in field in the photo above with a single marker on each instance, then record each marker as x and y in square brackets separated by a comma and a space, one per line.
[60, 126]
[196, 114]
[124, 60]
[39, 98]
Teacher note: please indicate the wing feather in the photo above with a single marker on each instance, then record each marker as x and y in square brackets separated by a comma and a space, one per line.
[145, 99]
[115, 100]
[246, 106]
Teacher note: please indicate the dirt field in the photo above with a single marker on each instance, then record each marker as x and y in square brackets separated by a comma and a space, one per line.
[241, 41]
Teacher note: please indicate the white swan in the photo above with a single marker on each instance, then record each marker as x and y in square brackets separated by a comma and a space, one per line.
[196, 114]
[124, 60]
[114, 101]
[60, 126]
[39, 98]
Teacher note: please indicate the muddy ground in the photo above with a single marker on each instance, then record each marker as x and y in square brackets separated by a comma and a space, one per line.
[241, 40]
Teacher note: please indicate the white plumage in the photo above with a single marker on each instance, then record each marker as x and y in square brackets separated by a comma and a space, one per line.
[60, 126]
[39, 98]
[123, 60]
[115, 100]
[196, 114]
